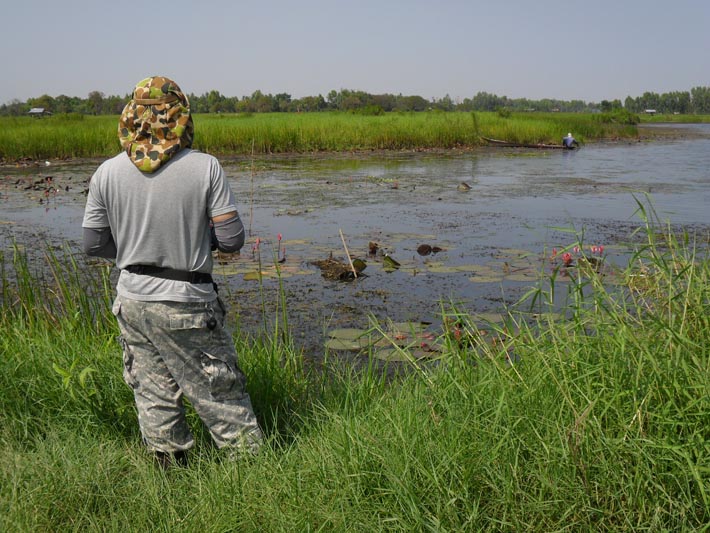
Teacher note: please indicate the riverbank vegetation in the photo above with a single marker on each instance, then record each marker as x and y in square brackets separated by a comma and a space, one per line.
[79, 136]
[595, 419]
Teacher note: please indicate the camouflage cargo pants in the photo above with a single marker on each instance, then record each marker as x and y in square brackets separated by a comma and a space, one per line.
[168, 351]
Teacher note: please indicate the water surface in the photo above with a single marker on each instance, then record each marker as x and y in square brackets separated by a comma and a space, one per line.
[520, 205]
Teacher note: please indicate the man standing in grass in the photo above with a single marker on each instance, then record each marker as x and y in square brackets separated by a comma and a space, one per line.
[157, 209]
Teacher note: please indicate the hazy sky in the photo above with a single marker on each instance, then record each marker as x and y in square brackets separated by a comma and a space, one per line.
[575, 49]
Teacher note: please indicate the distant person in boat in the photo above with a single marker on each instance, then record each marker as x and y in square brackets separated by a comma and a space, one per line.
[570, 142]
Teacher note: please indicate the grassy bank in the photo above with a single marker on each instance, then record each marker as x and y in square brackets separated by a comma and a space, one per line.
[674, 119]
[602, 424]
[86, 136]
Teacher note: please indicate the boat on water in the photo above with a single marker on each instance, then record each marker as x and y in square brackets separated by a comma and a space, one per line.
[508, 144]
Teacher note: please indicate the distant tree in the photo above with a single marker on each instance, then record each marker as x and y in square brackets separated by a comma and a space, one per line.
[386, 102]
[311, 103]
[95, 103]
[650, 100]
[683, 102]
[14, 108]
[333, 99]
[45, 101]
[113, 105]
[697, 100]
[630, 104]
[445, 103]
[700, 100]
[412, 103]
[283, 101]
[484, 101]
[198, 104]
[214, 101]
[65, 104]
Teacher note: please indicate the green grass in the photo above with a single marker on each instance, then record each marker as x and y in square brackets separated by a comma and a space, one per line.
[603, 424]
[677, 119]
[71, 136]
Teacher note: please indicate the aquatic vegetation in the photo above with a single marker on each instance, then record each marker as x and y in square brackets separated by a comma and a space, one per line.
[270, 133]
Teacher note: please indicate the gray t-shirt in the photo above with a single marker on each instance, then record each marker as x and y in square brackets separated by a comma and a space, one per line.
[160, 219]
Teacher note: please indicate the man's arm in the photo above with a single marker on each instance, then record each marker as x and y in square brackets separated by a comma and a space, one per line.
[99, 243]
[228, 232]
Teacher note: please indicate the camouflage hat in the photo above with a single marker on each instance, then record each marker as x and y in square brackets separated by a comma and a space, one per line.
[156, 123]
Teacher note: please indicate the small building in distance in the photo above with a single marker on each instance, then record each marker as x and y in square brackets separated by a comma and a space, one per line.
[650, 111]
[38, 112]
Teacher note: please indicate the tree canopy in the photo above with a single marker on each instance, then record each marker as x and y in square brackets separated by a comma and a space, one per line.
[696, 101]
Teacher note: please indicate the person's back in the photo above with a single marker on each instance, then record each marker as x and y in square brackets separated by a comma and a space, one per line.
[569, 142]
[158, 208]
[162, 219]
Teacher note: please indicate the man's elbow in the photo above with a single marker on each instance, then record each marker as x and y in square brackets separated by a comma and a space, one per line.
[232, 245]
[229, 234]
[99, 243]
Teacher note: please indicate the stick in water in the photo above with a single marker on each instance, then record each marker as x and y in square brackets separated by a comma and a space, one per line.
[342, 238]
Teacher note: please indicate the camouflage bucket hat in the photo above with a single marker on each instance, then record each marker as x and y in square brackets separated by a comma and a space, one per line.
[156, 123]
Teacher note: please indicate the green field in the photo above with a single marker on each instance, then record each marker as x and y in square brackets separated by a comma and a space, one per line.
[77, 136]
[602, 423]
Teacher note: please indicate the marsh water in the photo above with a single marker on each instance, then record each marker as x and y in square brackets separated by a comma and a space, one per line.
[494, 215]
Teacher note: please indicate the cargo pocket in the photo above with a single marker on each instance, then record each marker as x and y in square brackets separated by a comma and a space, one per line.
[129, 375]
[188, 321]
[225, 382]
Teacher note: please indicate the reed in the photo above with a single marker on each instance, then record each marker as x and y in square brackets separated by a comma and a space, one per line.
[64, 137]
[594, 419]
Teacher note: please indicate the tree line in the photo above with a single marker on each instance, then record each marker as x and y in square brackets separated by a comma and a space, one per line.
[695, 101]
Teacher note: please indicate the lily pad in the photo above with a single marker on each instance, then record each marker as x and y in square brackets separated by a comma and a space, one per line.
[393, 354]
[489, 317]
[523, 276]
[347, 333]
[491, 278]
[407, 327]
[390, 354]
[254, 276]
[471, 268]
[351, 339]
[345, 344]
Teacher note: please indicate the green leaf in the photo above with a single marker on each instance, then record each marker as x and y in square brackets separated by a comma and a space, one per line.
[359, 265]
[85, 374]
[389, 262]
[343, 344]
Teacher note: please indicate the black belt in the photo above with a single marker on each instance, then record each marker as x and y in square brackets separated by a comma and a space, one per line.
[170, 273]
